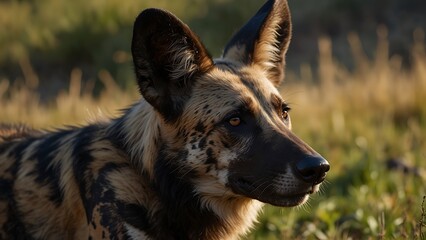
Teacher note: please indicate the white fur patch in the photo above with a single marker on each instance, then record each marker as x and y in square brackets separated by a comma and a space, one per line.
[135, 233]
[141, 128]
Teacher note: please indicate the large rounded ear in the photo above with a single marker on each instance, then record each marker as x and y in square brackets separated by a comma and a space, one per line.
[264, 40]
[167, 57]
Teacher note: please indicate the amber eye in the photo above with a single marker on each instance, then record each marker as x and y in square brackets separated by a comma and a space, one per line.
[284, 115]
[285, 109]
[235, 121]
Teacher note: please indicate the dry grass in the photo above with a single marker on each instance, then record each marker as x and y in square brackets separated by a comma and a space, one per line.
[75, 106]
[422, 219]
[356, 119]
[365, 108]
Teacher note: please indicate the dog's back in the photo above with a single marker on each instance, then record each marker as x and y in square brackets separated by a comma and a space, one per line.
[10, 132]
[55, 185]
[32, 188]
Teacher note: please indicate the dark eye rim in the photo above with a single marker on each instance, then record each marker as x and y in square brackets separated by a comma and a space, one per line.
[232, 115]
[237, 118]
[285, 109]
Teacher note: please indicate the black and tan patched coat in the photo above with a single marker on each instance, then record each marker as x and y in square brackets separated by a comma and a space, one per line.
[206, 146]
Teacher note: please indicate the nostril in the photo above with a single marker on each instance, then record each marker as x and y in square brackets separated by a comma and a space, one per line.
[312, 169]
[326, 167]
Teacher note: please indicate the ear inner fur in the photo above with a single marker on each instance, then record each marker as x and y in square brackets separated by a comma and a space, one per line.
[264, 40]
[172, 165]
[167, 56]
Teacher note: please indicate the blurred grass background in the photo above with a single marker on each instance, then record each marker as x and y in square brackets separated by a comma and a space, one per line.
[356, 79]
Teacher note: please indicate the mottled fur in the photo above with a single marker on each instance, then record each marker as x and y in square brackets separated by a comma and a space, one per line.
[195, 158]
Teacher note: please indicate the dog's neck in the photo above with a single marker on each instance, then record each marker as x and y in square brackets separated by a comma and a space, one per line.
[137, 133]
[188, 215]
[179, 208]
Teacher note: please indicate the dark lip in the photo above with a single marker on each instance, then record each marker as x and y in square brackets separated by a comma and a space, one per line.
[246, 188]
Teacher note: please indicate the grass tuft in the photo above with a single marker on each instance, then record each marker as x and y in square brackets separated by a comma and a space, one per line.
[422, 222]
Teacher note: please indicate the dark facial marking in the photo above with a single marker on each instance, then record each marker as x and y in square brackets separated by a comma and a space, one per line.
[200, 127]
[210, 158]
[202, 143]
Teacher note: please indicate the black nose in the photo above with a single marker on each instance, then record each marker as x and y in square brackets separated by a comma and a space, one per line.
[312, 169]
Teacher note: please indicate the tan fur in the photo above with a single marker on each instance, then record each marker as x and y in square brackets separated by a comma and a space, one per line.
[196, 157]
[267, 51]
[144, 118]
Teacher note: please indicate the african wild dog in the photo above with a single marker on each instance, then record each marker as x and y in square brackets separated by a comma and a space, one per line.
[193, 159]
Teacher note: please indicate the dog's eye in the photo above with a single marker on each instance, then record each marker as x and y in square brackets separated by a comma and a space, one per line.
[285, 112]
[235, 121]
[284, 115]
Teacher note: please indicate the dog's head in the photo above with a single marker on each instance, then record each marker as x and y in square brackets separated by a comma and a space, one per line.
[225, 121]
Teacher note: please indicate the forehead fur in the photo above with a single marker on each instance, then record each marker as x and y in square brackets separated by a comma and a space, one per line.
[223, 90]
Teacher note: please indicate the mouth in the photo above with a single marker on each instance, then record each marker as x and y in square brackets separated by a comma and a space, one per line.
[268, 195]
